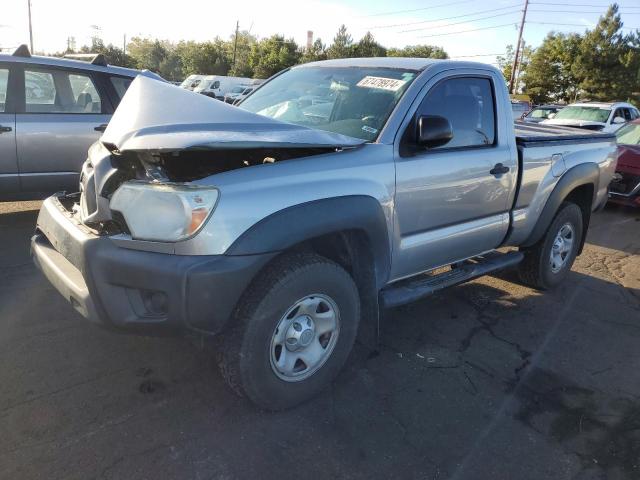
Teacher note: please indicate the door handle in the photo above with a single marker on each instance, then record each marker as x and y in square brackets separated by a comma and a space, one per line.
[5, 129]
[498, 169]
[101, 128]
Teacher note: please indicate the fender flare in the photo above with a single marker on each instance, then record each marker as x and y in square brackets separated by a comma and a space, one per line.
[298, 223]
[583, 174]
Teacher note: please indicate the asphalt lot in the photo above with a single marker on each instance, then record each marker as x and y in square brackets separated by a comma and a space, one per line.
[488, 380]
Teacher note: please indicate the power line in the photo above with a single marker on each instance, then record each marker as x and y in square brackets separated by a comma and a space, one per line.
[416, 9]
[578, 11]
[466, 31]
[574, 25]
[580, 4]
[458, 23]
[442, 18]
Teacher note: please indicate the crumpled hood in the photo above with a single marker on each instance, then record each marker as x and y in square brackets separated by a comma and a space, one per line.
[159, 116]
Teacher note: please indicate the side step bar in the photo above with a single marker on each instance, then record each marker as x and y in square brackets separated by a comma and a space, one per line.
[415, 288]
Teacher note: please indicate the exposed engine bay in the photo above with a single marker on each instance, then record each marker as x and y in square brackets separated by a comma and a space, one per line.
[190, 165]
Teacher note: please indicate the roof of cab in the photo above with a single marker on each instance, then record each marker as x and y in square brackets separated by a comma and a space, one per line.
[69, 63]
[406, 63]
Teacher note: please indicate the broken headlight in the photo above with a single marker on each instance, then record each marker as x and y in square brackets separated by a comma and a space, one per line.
[164, 212]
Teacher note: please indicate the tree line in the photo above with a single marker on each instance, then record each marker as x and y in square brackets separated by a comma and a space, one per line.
[243, 55]
[601, 64]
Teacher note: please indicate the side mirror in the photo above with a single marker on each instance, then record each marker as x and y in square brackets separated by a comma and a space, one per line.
[433, 131]
[619, 121]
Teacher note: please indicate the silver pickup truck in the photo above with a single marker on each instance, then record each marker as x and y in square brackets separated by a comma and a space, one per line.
[336, 190]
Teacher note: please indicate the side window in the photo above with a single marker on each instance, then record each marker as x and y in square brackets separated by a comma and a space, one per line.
[121, 84]
[627, 114]
[215, 85]
[468, 104]
[59, 91]
[618, 113]
[4, 84]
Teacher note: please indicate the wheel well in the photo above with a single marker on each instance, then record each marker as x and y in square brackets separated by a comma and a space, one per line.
[352, 250]
[582, 196]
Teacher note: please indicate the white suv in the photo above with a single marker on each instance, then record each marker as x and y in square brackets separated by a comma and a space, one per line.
[604, 117]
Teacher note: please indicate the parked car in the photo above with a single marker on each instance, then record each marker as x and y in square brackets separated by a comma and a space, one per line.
[541, 112]
[191, 82]
[287, 234]
[625, 188]
[217, 86]
[51, 111]
[602, 117]
[238, 93]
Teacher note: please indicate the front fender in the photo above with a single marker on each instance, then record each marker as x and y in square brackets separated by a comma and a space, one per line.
[293, 225]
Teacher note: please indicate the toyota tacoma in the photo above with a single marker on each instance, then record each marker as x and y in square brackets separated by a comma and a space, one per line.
[337, 189]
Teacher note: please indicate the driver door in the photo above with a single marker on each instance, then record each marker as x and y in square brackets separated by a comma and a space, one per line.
[453, 201]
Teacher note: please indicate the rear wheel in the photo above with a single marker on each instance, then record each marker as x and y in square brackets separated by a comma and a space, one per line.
[548, 262]
[293, 331]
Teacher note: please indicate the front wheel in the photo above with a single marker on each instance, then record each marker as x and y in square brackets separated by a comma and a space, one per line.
[293, 331]
[548, 262]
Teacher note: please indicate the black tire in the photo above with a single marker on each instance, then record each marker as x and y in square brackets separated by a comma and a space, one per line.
[245, 360]
[536, 269]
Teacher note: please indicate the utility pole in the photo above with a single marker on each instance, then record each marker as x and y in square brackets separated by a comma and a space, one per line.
[30, 29]
[517, 56]
[235, 43]
[124, 44]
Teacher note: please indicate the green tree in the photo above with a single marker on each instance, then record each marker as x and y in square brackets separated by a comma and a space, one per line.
[505, 62]
[418, 51]
[368, 47]
[342, 44]
[206, 58]
[112, 54]
[607, 63]
[549, 75]
[148, 53]
[318, 51]
[241, 67]
[270, 55]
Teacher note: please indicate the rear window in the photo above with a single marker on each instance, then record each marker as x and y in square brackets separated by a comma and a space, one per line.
[4, 80]
[60, 91]
[121, 84]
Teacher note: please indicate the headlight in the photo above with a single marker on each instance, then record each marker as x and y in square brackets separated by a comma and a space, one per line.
[163, 212]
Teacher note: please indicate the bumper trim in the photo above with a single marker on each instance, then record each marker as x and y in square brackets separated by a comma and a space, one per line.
[64, 276]
[110, 285]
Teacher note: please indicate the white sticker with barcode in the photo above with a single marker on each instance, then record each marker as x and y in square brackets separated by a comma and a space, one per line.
[382, 83]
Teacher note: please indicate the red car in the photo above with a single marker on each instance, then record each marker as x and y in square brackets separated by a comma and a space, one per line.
[625, 188]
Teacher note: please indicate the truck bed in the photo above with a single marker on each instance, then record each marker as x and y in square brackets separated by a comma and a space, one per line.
[532, 135]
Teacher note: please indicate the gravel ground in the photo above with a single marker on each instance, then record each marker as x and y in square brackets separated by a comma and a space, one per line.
[488, 380]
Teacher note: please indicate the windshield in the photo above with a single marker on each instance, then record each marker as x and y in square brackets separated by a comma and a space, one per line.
[541, 112]
[238, 89]
[351, 101]
[588, 114]
[629, 134]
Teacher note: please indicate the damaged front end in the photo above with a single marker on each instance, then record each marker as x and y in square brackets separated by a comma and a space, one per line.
[160, 139]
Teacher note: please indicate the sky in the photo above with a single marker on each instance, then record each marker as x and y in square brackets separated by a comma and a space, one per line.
[464, 28]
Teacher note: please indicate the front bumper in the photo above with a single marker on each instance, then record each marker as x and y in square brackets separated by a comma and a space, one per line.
[133, 290]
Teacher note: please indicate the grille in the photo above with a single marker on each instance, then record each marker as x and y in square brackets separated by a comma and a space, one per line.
[626, 184]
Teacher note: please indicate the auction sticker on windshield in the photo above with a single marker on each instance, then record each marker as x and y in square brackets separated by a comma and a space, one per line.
[382, 83]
